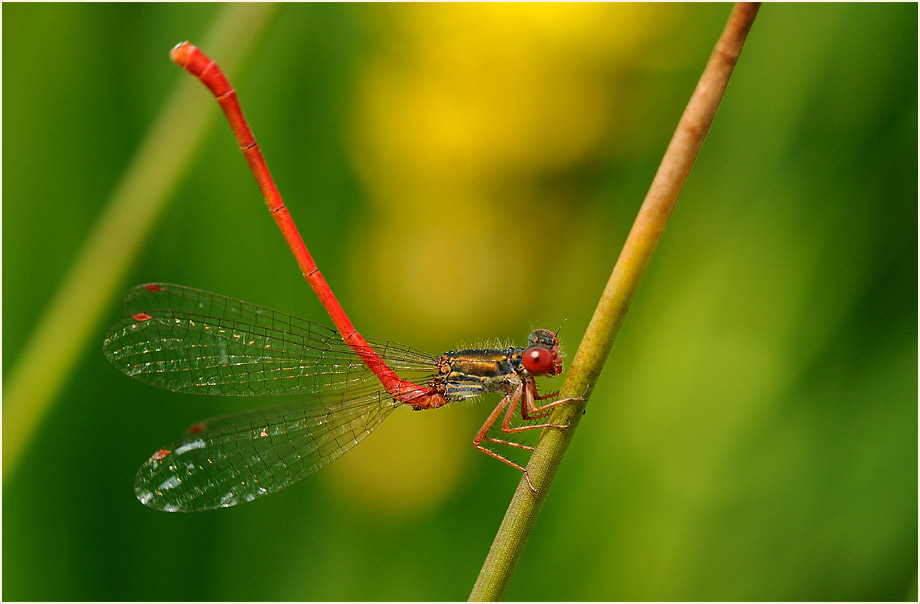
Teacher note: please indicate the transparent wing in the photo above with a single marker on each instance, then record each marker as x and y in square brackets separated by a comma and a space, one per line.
[187, 340]
[240, 457]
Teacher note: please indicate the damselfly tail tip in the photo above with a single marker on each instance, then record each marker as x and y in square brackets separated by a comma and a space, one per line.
[180, 52]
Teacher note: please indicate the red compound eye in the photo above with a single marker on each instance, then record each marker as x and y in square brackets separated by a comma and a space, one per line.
[538, 361]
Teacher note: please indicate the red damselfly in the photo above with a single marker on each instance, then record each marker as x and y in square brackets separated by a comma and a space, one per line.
[187, 340]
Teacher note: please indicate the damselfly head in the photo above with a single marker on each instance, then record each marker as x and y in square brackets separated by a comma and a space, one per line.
[543, 338]
[542, 354]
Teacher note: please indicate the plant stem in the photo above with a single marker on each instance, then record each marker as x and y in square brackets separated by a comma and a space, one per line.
[137, 201]
[611, 310]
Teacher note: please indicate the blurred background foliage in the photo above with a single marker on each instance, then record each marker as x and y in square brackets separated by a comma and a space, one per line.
[467, 172]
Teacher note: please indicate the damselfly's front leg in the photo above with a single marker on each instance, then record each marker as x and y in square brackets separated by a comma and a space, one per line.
[527, 391]
[529, 411]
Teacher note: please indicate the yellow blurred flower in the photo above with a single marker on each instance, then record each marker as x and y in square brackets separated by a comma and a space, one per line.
[471, 127]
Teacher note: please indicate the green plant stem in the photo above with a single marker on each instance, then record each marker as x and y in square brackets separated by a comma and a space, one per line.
[72, 316]
[621, 288]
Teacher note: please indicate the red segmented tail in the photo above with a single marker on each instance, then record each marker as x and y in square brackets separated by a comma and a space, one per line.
[194, 61]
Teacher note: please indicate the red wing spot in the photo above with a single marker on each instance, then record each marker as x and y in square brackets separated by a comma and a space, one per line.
[153, 287]
[141, 316]
[196, 428]
[161, 454]
[263, 434]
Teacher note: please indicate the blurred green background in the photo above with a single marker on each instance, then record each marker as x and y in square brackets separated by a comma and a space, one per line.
[469, 172]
